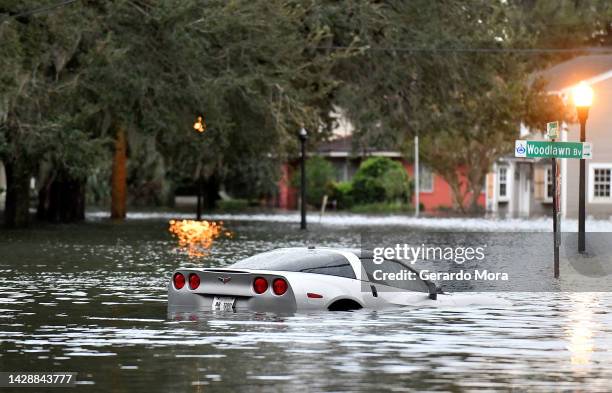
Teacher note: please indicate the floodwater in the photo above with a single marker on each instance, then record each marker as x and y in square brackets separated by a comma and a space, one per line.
[91, 298]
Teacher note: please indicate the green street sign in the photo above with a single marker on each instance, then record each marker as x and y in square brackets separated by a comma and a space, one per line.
[552, 130]
[543, 149]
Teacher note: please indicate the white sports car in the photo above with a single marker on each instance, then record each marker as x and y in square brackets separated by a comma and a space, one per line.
[297, 279]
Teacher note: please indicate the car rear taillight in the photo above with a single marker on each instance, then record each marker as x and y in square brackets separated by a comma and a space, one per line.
[260, 285]
[279, 286]
[179, 280]
[194, 281]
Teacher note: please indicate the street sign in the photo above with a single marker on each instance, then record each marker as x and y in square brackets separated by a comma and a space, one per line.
[544, 149]
[587, 152]
[552, 130]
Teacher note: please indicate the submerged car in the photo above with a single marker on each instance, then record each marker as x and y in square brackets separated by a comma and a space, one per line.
[298, 279]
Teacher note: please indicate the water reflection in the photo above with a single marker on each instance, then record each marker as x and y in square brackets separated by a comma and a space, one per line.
[197, 237]
[92, 299]
[580, 331]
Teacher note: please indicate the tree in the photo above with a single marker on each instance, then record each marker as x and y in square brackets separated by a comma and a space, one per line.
[38, 81]
[257, 90]
[380, 179]
[140, 71]
[418, 75]
[320, 174]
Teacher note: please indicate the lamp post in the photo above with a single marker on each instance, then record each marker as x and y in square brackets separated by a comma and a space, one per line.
[303, 135]
[417, 178]
[200, 127]
[583, 98]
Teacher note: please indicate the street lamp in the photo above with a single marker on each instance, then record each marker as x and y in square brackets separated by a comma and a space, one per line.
[199, 126]
[303, 135]
[583, 98]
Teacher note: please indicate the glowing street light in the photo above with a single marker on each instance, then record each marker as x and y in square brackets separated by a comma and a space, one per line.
[583, 99]
[583, 95]
[199, 124]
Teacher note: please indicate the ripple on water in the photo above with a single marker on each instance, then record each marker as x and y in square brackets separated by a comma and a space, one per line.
[95, 304]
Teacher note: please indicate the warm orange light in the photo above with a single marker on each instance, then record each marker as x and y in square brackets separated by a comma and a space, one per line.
[583, 95]
[199, 125]
[197, 237]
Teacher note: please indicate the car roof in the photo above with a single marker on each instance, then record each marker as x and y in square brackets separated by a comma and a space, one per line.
[294, 259]
[360, 253]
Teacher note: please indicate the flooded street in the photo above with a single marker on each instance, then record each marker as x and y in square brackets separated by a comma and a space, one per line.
[91, 298]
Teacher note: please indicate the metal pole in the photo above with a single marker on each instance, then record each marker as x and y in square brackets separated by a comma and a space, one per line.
[556, 218]
[303, 181]
[582, 189]
[417, 186]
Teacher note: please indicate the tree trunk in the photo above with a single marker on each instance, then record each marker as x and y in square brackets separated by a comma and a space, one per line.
[211, 192]
[475, 184]
[17, 207]
[119, 176]
[62, 200]
[476, 191]
[452, 178]
[458, 195]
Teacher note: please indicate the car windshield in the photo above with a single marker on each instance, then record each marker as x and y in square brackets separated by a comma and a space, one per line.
[305, 261]
[394, 267]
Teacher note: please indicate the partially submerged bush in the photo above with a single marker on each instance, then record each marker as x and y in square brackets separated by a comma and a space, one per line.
[380, 179]
[320, 174]
[342, 193]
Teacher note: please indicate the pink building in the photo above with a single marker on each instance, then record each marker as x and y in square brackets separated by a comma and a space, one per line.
[435, 193]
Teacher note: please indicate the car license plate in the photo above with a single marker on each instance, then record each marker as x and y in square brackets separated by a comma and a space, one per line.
[224, 303]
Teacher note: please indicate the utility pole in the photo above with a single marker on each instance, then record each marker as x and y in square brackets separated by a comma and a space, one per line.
[200, 126]
[556, 173]
[583, 98]
[303, 134]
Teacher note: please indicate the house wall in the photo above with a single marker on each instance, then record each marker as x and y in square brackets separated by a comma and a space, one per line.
[527, 197]
[598, 132]
[441, 196]
[541, 205]
[345, 167]
[287, 195]
[509, 206]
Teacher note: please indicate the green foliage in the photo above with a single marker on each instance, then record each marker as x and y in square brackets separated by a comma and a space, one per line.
[465, 105]
[249, 67]
[72, 152]
[342, 193]
[319, 179]
[233, 205]
[380, 179]
[258, 70]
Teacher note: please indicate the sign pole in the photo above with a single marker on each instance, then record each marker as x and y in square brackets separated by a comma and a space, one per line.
[552, 131]
[556, 150]
[582, 186]
[556, 173]
[417, 180]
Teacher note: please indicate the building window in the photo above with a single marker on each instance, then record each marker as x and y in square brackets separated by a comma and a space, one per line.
[502, 181]
[549, 183]
[425, 179]
[600, 178]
